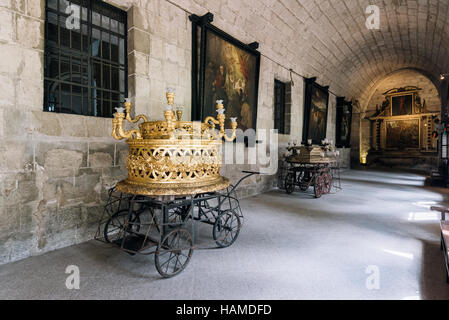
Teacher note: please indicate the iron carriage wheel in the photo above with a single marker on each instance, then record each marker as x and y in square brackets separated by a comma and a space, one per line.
[115, 224]
[226, 228]
[319, 186]
[179, 215]
[173, 253]
[290, 182]
[327, 183]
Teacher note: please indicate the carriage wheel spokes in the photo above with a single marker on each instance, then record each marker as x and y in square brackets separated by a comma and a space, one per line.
[174, 253]
[327, 183]
[226, 228]
[116, 225]
[178, 216]
[319, 186]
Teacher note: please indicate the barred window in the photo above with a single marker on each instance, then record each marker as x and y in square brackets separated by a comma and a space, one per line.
[85, 57]
[282, 106]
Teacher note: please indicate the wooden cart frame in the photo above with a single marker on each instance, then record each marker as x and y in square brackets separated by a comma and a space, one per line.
[306, 175]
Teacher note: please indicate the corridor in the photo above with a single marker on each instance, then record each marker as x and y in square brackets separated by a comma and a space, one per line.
[375, 239]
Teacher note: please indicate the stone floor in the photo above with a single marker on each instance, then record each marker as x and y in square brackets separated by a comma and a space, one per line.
[291, 247]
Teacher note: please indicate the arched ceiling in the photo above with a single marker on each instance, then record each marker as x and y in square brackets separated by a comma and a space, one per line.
[328, 39]
[413, 34]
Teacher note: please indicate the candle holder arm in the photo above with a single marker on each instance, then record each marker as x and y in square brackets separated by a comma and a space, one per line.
[118, 132]
[128, 106]
[233, 135]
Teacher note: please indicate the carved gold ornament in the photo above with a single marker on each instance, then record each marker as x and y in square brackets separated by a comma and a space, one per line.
[173, 157]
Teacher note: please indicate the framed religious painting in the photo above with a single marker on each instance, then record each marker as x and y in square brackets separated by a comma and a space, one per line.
[343, 123]
[223, 68]
[402, 104]
[315, 111]
[403, 134]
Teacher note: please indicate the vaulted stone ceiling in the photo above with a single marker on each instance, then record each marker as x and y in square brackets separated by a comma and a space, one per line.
[413, 34]
[329, 39]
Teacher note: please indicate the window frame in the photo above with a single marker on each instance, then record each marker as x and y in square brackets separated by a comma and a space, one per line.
[86, 60]
[279, 106]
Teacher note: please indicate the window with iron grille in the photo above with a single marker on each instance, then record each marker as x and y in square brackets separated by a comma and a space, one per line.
[85, 57]
[282, 106]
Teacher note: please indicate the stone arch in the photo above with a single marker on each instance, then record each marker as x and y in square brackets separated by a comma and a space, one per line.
[375, 96]
[369, 92]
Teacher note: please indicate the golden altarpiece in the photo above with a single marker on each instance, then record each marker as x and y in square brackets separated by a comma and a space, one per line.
[403, 128]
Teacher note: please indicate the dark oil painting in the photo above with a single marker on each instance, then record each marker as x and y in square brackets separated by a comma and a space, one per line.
[230, 74]
[402, 105]
[343, 125]
[403, 134]
[317, 114]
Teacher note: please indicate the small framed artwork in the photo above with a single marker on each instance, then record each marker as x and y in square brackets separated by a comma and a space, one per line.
[315, 111]
[402, 105]
[224, 69]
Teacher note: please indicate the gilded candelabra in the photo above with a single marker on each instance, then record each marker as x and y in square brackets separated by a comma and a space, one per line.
[173, 157]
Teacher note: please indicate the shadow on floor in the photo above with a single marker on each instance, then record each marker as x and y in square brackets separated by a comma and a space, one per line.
[433, 273]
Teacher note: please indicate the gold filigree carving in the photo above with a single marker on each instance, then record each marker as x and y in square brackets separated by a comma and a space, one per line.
[173, 157]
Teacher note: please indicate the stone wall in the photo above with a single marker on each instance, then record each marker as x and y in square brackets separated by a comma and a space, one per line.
[55, 169]
[406, 78]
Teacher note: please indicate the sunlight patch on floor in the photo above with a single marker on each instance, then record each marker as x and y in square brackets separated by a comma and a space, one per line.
[400, 254]
[423, 216]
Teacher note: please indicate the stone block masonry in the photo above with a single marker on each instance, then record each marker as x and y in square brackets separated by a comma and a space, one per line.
[55, 169]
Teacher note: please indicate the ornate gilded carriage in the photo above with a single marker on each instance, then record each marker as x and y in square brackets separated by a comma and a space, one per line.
[180, 160]
[173, 157]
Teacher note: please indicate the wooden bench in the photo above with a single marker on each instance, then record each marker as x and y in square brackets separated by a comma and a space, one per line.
[444, 236]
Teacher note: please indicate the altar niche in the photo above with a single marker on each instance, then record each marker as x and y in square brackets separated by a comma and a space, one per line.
[403, 123]
[403, 127]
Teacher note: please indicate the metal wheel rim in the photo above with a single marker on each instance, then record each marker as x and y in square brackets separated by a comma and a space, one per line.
[178, 216]
[226, 229]
[318, 188]
[327, 183]
[174, 253]
[118, 225]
